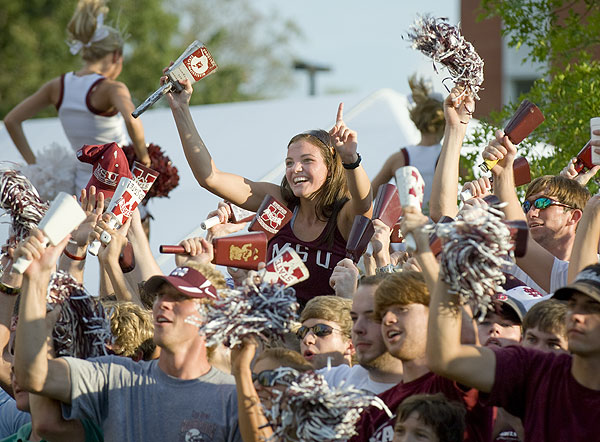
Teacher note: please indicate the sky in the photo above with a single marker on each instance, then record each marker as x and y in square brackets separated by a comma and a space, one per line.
[361, 41]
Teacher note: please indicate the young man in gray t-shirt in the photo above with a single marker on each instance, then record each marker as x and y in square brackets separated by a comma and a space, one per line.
[178, 397]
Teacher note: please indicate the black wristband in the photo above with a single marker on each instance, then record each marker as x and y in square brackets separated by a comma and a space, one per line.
[353, 165]
[10, 291]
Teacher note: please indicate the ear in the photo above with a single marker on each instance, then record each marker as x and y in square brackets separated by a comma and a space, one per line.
[350, 350]
[115, 56]
[576, 215]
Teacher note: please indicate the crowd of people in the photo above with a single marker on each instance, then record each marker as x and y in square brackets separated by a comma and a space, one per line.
[130, 362]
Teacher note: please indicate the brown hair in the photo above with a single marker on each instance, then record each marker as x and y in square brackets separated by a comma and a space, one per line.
[548, 316]
[566, 191]
[287, 358]
[132, 328]
[372, 279]
[330, 308]
[403, 288]
[334, 193]
[446, 418]
[83, 25]
[427, 112]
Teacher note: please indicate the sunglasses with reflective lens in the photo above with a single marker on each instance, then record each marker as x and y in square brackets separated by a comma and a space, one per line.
[320, 330]
[542, 203]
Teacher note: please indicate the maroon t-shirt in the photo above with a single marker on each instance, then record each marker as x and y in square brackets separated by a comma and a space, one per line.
[317, 256]
[374, 424]
[538, 388]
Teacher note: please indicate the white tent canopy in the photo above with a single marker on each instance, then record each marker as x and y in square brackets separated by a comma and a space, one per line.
[247, 138]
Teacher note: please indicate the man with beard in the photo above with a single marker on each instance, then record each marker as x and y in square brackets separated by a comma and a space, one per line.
[376, 370]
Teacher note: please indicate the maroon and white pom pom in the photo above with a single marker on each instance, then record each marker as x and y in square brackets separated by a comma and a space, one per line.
[476, 247]
[21, 202]
[266, 311]
[444, 44]
[82, 329]
[309, 410]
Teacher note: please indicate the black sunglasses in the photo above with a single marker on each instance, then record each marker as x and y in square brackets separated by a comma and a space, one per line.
[320, 330]
[281, 375]
[542, 203]
[264, 378]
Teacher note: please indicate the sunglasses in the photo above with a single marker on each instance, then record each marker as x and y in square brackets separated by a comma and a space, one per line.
[319, 330]
[264, 378]
[268, 378]
[542, 203]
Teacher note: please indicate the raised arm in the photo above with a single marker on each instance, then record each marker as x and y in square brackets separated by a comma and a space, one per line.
[585, 247]
[120, 98]
[237, 189]
[393, 163]
[47, 95]
[538, 261]
[254, 426]
[11, 284]
[33, 370]
[469, 365]
[444, 190]
[74, 256]
[345, 142]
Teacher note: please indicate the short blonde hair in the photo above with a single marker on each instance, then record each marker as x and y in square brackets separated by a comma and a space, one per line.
[565, 190]
[330, 308]
[403, 288]
[83, 25]
[286, 357]
[132, 328]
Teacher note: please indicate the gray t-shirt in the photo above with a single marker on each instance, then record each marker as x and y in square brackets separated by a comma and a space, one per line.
[11, 419]
[137, 401]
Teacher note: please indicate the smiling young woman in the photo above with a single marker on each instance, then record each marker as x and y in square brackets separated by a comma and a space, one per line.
[324, 185]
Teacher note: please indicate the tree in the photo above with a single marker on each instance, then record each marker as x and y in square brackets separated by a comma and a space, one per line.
[249, 47]
[565, 37]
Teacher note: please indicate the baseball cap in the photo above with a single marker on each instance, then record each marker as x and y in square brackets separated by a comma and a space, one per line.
[109, 166]
[587, 282]
[518, 296]
[185, 280]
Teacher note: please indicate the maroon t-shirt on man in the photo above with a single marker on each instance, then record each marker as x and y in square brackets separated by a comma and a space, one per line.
[374, 424]
[538, 388]
[320, 260]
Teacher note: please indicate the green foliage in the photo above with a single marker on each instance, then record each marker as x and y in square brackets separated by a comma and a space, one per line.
[249, 47]
[568, 92]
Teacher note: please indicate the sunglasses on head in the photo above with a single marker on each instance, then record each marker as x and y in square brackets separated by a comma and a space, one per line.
[319, 330]
[542, 203]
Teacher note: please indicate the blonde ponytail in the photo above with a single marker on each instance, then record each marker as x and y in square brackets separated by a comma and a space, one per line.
[88, 33]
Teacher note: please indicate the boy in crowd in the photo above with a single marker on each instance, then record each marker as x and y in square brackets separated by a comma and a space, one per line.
[376, 370]
[325, 332]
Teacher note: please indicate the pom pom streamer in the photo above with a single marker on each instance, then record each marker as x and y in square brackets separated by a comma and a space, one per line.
[267, 311]
[82, 329]
[309, 410]
[54, 171]
[21, 202]
[444, 44]
[169, 176]
[476, 246]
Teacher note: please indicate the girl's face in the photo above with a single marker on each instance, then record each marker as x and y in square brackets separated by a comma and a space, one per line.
[305, 168]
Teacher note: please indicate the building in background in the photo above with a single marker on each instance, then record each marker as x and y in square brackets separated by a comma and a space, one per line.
[506, 75]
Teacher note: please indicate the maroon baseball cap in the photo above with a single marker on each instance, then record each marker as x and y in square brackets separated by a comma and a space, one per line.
[185, 280]
[110, 165]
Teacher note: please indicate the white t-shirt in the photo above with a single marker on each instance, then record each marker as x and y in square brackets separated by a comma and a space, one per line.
[356, 376]
[558, 276]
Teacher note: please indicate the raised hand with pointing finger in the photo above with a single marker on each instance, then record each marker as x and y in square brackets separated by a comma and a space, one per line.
[344, 139]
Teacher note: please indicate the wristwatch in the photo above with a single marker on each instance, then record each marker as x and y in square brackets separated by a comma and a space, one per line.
[353, 165]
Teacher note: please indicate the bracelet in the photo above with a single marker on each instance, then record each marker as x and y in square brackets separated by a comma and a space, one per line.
[353, 165]
[73, 257]
[10, 291]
